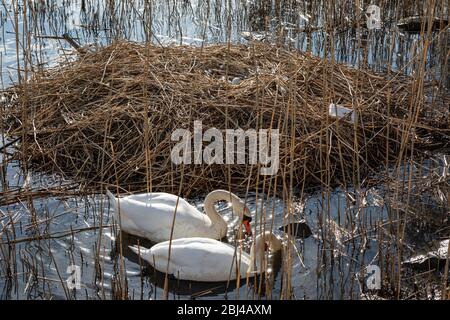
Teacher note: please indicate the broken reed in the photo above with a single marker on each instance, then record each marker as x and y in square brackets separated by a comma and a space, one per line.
[117, 108]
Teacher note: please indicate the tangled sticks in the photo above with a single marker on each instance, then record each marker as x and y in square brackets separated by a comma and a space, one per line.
[108, 117]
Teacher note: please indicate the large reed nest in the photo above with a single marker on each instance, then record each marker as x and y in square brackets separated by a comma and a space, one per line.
[107, 118]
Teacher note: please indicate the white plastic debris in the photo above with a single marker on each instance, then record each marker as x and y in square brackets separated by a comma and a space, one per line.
[340, 112]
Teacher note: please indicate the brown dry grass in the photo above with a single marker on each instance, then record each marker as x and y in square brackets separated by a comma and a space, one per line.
[108, 117]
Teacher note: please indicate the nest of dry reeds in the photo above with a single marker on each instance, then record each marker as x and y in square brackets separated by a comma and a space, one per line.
[107, 118]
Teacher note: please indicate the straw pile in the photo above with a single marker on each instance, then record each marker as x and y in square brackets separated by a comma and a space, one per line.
[108, 117]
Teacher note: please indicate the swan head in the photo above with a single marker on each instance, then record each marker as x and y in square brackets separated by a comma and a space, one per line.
[243, 213]
[246, 219]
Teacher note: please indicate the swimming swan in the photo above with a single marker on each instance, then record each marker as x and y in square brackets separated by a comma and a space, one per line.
[208, 260]
[150, 215]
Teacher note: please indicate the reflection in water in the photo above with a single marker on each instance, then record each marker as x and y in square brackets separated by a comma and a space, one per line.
[301, 25]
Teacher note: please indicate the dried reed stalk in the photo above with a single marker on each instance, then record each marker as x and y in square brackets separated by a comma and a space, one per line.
[109, 116]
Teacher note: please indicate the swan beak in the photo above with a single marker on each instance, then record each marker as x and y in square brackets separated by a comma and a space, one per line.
[248, 228]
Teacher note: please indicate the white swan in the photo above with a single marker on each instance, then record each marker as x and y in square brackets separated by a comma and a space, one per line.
[150, 215]
[208, 260]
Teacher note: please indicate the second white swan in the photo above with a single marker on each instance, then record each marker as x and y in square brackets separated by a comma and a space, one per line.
[208, 260]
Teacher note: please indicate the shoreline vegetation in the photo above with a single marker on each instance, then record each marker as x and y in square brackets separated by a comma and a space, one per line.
[107, 118]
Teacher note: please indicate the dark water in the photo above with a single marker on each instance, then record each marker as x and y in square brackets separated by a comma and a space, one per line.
[327, 265]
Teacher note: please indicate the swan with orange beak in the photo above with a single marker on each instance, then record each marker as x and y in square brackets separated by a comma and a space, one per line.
[157, 216]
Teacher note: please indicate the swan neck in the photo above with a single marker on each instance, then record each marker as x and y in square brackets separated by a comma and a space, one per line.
[256, 255]
[258, 250]
[217, 221]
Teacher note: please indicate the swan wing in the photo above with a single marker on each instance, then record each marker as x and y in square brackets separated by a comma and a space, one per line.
[151, 215]
[147, 198]
[198, 259]
[155, 199]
